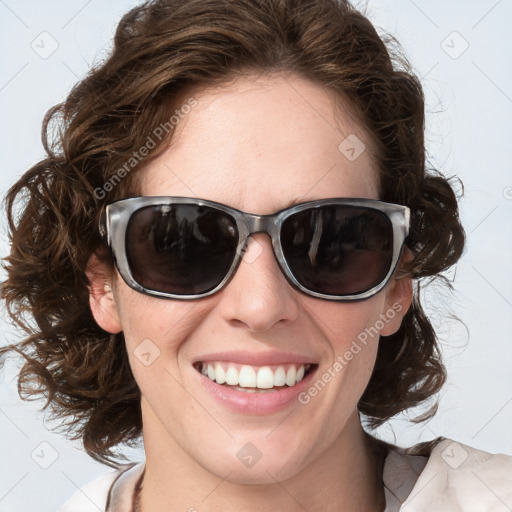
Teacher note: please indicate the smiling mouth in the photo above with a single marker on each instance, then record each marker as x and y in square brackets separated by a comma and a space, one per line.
[254, 379]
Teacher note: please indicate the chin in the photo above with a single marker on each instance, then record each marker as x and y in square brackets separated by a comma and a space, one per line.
[261, 473]
[258, 462]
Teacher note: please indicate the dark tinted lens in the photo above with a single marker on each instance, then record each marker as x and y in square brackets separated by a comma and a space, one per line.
[338, 250]
[182, 249]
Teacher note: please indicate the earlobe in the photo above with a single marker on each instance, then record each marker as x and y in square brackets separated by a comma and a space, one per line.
[101, 296]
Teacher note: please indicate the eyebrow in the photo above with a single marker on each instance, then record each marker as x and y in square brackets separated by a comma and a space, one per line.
[297, 200]
[300, 200]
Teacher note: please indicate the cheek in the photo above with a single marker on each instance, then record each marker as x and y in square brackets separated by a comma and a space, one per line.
[351, 323]
[155, 330]
[353, 337]
[352, 333]
[344, 375]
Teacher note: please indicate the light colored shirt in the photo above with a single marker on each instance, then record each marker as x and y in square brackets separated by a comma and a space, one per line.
[438, 476]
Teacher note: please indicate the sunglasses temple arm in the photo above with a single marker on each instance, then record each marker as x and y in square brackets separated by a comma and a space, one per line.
[102, 228]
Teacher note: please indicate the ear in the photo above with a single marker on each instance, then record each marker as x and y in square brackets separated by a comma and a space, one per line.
[101, 297]
[398, 298]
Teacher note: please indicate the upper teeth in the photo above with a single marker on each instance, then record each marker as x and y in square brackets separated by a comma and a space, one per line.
[245, 376]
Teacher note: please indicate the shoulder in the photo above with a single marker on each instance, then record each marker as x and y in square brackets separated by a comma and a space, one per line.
[445, 475]
[95, 496]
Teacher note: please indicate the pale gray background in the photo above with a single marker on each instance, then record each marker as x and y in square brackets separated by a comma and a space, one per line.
[469, 104]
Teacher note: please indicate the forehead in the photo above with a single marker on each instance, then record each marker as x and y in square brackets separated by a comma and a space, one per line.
[262, 143]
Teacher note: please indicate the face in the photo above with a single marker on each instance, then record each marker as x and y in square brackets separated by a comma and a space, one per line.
[256, 145]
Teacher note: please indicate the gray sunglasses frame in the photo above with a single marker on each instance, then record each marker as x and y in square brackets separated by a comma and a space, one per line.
[116, 216]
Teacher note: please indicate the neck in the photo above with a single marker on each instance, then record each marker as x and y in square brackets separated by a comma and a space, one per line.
[347, 476]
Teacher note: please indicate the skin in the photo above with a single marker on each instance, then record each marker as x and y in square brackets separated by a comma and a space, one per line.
[313, 457]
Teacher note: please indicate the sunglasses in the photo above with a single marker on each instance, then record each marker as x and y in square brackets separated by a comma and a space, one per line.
[185, 248]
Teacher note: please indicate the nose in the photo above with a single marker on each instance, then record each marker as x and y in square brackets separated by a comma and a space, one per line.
[258, 297]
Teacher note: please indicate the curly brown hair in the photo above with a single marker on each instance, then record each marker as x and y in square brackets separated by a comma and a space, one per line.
[163, 49]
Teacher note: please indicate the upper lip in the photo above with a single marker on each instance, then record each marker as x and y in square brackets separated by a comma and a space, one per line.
[257, 358]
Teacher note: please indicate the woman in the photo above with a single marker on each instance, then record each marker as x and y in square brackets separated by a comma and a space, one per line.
[239, 288]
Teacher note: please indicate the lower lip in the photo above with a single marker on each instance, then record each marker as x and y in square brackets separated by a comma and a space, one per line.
[257, 402]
